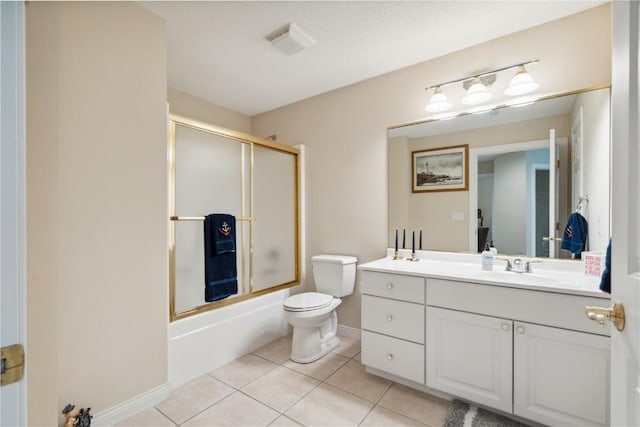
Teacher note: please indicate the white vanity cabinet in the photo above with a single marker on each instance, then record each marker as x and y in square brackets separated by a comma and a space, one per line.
[393, 321]
[530, 353]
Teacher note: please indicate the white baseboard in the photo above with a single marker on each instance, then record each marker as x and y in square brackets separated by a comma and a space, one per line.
[349, 332]
[131, 407]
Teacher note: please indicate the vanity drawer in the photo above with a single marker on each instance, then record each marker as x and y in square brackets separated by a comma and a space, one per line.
[391, 317]
[396, 286]
[394, 356]
[543, 308]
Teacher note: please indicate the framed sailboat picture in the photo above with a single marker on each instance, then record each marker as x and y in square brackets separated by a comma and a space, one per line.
[440, 169]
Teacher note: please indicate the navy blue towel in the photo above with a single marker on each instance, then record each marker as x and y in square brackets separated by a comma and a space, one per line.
[605, 281]
[220, 271]
[574, 238]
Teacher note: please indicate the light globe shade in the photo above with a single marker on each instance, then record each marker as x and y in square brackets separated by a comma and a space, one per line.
[521, 84]
[438, 102]
[476, 94]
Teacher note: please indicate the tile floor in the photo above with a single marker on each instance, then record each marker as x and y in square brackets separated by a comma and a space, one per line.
[265, 388]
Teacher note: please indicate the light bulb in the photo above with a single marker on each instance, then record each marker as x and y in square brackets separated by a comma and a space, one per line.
[522, 83]
[438, 102]
[476, 94]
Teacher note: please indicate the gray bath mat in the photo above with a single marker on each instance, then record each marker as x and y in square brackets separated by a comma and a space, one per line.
[462, 414]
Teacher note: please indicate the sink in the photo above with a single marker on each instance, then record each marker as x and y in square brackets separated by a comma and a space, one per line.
[522, 278]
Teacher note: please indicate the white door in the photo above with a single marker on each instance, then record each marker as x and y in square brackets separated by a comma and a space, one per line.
[625, 251]
[12, 206]
[470, 356]
[558, 376]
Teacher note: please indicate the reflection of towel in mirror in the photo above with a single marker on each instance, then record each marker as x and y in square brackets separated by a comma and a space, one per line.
[605, 281]
[220, 270]
[574, 238]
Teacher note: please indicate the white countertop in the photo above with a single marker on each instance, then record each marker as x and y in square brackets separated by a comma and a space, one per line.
[559, 276]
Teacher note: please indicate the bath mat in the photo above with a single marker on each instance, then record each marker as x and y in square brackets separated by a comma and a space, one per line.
[462, 414]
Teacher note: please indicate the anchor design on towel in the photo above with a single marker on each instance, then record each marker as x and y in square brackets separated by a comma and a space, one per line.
[225, 230]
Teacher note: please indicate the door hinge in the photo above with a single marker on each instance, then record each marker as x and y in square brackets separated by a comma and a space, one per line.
[11, 364]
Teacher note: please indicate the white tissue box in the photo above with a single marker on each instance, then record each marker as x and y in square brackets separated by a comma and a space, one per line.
[593, 263]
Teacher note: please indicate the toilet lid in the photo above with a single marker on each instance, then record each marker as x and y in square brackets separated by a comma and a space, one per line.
[307, 301]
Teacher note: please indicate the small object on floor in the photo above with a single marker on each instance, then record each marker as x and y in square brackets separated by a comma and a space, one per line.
[77, 417]
[71, 414]
[463, 414]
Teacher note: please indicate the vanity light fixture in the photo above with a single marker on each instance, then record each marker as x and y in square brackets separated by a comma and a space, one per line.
[477, 93]
[438, 102]
[521, 84]
[477, 87]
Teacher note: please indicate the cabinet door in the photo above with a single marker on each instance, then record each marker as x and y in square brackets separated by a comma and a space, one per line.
[561, 377]
[470, 356]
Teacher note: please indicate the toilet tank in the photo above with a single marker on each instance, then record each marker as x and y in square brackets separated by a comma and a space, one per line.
[334, 274]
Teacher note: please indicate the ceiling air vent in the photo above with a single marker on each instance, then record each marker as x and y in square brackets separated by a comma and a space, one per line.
[290, 39]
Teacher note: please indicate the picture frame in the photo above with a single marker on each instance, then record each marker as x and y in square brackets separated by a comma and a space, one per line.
[440, 169]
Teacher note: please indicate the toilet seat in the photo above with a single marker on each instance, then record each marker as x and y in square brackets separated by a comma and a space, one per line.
[307, 301]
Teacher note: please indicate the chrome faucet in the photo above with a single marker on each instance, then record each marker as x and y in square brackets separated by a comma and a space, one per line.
[518, 265]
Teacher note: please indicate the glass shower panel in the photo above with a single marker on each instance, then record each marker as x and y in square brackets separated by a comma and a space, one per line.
[275, 210]
[207, 180]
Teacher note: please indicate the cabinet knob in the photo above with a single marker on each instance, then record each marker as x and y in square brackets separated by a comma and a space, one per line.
[505, 326]
[390, 356]
[520, 329]
[389, 318]
[390, 285]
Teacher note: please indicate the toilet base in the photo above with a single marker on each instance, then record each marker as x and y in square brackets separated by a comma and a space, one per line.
[302, 355]
[310, 344]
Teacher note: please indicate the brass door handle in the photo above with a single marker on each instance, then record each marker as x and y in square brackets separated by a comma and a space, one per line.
[615, 314]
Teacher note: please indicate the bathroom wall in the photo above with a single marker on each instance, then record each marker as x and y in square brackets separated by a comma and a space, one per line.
[345, 131]
[97, 206]
[192, 107]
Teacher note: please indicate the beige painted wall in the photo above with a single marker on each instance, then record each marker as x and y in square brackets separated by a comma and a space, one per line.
[345, 131]
[97, 206]
[189, 106]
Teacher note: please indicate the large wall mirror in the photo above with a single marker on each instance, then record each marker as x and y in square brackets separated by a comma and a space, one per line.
[530, 168]
[218, 171]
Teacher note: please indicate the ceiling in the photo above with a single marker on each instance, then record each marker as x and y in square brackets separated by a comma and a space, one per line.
[216, 49]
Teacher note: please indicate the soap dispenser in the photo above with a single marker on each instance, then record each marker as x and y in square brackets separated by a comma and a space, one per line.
[487, 258]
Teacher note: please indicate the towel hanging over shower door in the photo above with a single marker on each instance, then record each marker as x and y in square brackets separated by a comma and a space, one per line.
[220, 270]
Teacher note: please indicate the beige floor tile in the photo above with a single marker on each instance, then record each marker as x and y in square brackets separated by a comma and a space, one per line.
[415, 404]
[329, 406]
[321, 368]
[353, 378]
[348, 347]
[284, 421]
[382, 417]
[280, 388]
[242, 371]
[358, 357]
[193, 397]
[236, 410]
[149, 418]
[277, 351]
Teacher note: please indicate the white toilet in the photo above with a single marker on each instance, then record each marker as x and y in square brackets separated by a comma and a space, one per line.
[313, 314]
